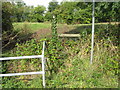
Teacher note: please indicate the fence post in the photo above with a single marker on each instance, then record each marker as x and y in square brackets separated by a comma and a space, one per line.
[43, 65]
[93, 27]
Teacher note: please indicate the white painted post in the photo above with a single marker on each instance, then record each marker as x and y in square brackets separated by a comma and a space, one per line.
[93, 27]
[43, 64]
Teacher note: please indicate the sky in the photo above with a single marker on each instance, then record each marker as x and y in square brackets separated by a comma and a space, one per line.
[39, 2]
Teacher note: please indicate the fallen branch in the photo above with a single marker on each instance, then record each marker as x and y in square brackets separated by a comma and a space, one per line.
[11, 39]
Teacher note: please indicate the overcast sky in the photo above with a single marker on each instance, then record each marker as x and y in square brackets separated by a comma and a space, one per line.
[39, 2]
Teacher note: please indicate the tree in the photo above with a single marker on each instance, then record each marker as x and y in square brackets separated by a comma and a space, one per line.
[39, 13]
[6, 17]
[116, 11]
[107, 11]
[30, 14]
[65, 11]
[51, 8]
[52, 5]
[74, 12]
[48, 16]
[20, 11]
[7, 27]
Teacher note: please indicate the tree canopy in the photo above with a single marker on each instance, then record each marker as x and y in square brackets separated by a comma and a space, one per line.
[67, 12]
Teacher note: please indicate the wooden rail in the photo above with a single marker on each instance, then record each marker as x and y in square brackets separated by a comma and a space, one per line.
[69, 35]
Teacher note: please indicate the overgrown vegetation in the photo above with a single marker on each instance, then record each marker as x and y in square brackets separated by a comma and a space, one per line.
[69, 61]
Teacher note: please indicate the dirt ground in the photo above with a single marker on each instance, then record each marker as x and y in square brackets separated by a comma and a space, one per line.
[47, 32]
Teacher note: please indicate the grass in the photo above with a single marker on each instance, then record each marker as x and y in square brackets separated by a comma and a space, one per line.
[32, 26]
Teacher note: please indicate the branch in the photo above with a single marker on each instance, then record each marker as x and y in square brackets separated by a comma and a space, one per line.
[11, 40]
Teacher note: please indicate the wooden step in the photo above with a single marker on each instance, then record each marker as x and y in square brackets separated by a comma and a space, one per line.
[69, 35]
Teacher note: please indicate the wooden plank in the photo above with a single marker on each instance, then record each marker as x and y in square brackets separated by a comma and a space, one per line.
[69, 35]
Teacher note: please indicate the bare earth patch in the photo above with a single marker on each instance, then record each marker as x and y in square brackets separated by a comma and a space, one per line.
[47, 32]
